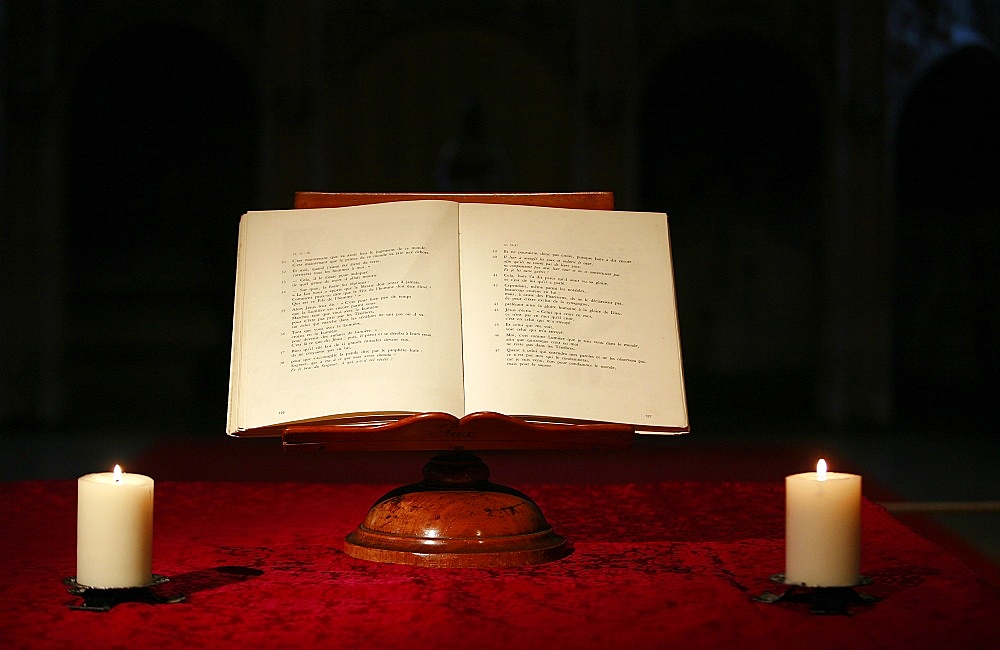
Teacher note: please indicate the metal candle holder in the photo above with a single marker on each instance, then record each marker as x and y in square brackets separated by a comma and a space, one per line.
[97, 599]
[827, 601]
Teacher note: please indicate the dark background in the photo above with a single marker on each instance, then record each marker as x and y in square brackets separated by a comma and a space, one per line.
[830, 170]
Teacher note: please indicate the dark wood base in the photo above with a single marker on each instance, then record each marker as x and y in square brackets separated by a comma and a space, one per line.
[456, 517]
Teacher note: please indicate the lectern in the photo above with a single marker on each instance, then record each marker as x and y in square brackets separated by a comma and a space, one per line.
[455, 516]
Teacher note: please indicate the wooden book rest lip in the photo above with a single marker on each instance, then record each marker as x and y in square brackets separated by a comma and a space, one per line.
[580, 200]
[441, 432]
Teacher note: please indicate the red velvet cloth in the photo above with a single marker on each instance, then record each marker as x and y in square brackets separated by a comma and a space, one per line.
[655, 565]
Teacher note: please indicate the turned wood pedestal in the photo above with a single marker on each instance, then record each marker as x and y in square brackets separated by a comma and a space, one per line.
[455, 516]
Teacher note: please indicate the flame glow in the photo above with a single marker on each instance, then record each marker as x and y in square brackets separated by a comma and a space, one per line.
[821, 470]
[118, 474]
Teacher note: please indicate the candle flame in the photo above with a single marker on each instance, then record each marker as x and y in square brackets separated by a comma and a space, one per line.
[118, 474]
[821, 470]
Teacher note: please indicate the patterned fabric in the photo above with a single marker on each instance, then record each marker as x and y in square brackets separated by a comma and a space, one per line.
[654, 565]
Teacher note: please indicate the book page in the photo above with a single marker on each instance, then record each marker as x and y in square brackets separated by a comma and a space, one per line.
[346, 311]
[570, 314]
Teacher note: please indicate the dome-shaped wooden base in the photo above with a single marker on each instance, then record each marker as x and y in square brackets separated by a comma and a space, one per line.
[456, 518]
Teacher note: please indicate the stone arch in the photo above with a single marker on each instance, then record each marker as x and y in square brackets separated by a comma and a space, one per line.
[403, 102]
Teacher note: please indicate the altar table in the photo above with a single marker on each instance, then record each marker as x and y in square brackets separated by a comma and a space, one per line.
[654, 565]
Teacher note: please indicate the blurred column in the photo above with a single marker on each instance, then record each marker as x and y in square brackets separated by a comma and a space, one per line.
[31, 245]
[856, 384]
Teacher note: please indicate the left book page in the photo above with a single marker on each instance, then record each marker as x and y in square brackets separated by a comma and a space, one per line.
[347, 313]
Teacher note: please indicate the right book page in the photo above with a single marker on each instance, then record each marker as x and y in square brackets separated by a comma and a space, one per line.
[570, 315]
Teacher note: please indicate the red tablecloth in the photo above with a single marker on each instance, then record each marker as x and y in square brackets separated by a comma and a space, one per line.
[673, 564]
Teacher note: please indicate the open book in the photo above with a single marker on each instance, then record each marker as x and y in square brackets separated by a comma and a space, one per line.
[368, 314]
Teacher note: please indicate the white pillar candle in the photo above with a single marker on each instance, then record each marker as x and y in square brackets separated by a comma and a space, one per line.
[823, 528]
[114, 530]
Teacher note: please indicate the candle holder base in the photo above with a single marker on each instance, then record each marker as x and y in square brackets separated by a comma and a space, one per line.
[96, 599]
[828, 601]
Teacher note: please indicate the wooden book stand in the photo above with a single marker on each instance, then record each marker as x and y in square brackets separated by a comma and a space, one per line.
[456, 517]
